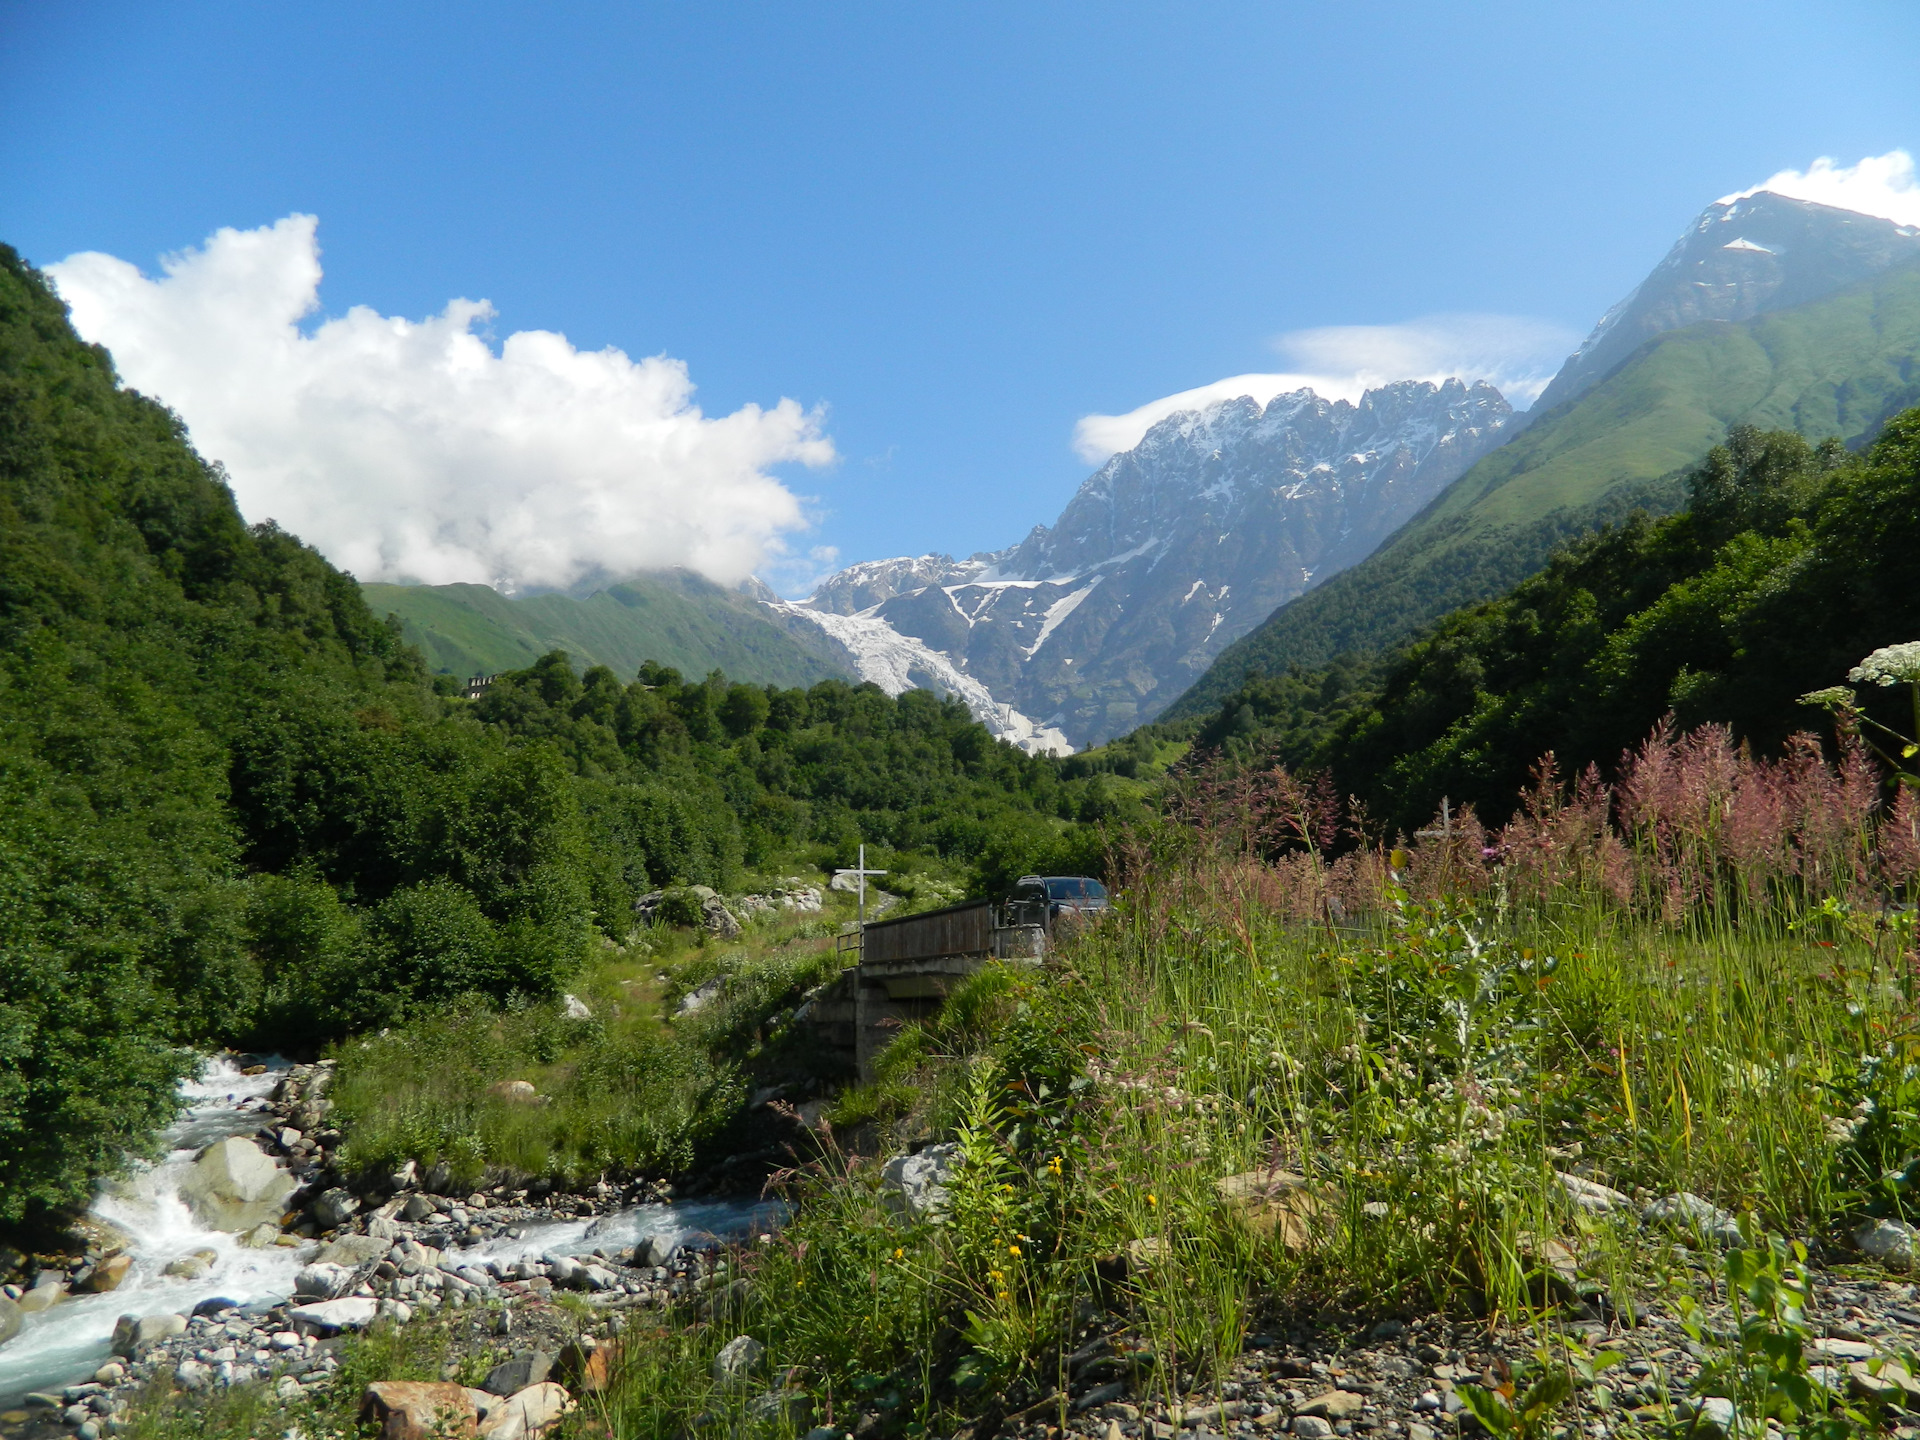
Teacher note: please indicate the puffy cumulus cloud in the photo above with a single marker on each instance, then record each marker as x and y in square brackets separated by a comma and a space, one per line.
[1882, 185]
[412, 450]
[1341, 362]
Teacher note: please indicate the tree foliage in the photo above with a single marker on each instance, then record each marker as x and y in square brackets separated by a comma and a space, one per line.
[234, 807]
[1791, 562]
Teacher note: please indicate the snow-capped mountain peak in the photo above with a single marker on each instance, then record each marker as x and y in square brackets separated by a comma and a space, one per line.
[1166, 554]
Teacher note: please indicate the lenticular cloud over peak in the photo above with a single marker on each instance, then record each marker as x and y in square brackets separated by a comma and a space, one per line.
[411, 450]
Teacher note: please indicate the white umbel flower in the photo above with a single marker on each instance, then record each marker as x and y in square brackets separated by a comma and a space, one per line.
[1889, 665]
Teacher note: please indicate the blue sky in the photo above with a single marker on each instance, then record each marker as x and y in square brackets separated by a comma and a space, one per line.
[958, 229]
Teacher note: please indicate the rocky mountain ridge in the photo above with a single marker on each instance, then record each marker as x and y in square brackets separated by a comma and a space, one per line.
[1167, 553]
[1743, 256]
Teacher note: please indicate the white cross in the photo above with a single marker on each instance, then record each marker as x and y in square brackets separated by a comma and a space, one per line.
[863, 873]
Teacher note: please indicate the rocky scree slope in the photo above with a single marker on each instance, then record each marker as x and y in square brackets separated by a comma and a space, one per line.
[1170, 551]
[1769, 311]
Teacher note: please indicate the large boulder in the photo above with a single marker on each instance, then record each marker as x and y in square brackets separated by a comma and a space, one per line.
[531, 1412]
[9, 1319]
[333, 1208]
[738, 1361]
[134, 1333]
[915, 1186]
[321, 1281]
[1274, 1202]
[191, 1266]
[234, 1186]
[1696, 1219]
[418, 1410]
[353, 1250]
[108, 1274]
[510, 1377]
[48, 1291]
[718, 919]
[1888, 1241]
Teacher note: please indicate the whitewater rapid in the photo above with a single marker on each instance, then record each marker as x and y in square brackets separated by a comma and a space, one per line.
[67, 1343]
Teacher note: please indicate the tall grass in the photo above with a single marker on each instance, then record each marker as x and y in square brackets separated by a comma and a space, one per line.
[620, 1091]
[1698, 980]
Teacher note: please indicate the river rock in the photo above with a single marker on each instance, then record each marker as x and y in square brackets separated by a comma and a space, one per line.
[134, 1333]
[1273, 1202]
[1702, 1218]
[694, 1001]
[321, 1281]
[529, 1413]
[783, 1410]
[737, 1361]
[193, 1266]
[333, 1208]
[417, 1410]
[234, 1186]
[510, 1377]
[718, 919]
[1888, 1241]
[193, 1375]
[354, 1250]
[10, 1315]
[47, 1292]
[1332, 1405]
[108, 1274]
[102, 1237]
[329, 1317]
[1592, 1196]
[915, 1186]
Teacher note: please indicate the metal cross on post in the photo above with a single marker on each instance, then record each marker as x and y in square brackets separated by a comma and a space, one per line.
[862, 873]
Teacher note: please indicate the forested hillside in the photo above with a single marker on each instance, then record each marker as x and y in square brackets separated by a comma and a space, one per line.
[1791, 562]
[234, 808]
[674, 618]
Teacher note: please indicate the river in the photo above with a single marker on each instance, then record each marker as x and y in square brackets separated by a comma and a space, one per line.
[69, 1342]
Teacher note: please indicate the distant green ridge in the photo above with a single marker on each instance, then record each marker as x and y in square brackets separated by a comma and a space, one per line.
[674, 617]
[1842, 365]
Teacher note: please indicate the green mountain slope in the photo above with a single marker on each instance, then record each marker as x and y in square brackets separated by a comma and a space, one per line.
[674, 617]
[1841, 366]
[1790, 564]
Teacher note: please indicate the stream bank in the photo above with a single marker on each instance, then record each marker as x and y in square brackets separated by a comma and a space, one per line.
[207, 1307]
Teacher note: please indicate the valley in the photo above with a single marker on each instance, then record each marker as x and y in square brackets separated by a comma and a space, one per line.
[1504, 1025]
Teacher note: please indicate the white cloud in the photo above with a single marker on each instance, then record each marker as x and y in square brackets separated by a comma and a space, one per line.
[411, 450]
[1883, 185]
[1341, 362]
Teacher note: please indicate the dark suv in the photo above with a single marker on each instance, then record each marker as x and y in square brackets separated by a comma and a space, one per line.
[1043, 899]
